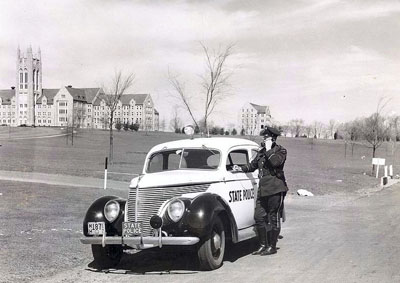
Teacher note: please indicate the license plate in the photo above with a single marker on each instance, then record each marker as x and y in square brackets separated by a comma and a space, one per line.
[131, 229]
[96, 228]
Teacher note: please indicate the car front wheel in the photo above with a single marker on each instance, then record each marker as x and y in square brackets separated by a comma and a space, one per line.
[106, 257]
[212, 250]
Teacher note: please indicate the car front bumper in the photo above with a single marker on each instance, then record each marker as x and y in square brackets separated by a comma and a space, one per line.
[140, 242]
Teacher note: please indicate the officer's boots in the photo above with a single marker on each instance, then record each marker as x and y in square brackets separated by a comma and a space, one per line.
[263, 242]
[272, 238]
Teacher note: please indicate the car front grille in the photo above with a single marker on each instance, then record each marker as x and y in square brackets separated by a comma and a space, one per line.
[150, 199]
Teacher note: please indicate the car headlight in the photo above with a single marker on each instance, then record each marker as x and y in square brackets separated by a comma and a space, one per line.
[111, 210]
[175, 210]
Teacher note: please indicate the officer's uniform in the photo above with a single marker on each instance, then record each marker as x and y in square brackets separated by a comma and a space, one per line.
[271, 192]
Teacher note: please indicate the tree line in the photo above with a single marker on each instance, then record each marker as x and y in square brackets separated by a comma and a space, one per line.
[371, 131]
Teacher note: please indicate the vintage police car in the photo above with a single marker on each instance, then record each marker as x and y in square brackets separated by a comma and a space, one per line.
[187, 194]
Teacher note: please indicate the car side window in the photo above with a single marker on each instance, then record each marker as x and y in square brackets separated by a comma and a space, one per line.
[237, 157]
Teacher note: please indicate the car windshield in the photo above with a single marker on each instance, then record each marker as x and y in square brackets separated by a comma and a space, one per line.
[184, 158]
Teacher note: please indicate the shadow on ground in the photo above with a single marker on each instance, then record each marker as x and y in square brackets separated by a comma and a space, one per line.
[171, 260]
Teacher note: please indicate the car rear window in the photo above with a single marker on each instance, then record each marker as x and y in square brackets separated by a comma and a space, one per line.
[185, 158]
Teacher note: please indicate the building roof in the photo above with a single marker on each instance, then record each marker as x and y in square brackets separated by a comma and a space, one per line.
[261, 109]
[156, 112]
[49, 93]
[126, 99]
[91, 93]
[78, 94]
[140, 98]
[6, 95]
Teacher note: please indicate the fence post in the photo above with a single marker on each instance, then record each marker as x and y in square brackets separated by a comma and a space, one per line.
[105, 173]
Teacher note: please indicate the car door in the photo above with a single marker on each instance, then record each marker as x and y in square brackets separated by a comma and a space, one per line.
[240, 192]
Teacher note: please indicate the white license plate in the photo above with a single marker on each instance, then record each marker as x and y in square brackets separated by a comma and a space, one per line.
[131, 229]
[96, 228]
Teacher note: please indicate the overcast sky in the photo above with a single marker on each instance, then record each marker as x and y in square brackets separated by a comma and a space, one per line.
[315, 60]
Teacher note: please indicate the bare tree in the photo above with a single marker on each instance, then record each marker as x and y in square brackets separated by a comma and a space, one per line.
[214, 83]
[175, 122]
[185, 98]
[285, 130]
[332, 127]
[119, 84]
[394, 123]
[308, 128]
[351, 133]
[296, 126]
[374, 129]
[162, 125]
[317, 129]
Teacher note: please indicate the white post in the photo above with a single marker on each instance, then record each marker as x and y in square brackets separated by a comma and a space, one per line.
[105, 173]
[391, 171]
[377, 170]
[386, 171]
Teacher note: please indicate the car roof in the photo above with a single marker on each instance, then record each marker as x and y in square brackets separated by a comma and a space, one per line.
[221, 143]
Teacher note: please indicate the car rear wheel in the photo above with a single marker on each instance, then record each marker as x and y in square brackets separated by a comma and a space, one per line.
[106, 257]
[212, 250]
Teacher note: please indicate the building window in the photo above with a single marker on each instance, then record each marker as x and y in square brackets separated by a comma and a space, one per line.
[37, 80]
[26, 79]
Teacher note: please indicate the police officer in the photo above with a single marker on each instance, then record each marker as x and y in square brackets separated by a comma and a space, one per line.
[272, 189]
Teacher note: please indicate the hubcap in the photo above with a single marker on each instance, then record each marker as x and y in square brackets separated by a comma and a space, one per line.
[217, 241]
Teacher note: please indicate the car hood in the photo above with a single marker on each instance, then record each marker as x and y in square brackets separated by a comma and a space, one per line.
[177, 178]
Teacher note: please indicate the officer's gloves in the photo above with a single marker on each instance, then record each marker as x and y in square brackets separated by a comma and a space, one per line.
[236, 168]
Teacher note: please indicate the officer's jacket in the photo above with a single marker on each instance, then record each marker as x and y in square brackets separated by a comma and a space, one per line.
[270, 170]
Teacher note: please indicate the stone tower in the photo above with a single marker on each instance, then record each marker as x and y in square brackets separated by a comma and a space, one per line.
[29, 85]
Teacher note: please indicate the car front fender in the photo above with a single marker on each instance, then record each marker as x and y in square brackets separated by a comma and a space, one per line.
[95, 213]
[202, 212]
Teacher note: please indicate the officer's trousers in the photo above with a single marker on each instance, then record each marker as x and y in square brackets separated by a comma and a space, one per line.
[267, 212]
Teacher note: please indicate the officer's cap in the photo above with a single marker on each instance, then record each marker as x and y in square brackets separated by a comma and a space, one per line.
[270, 132]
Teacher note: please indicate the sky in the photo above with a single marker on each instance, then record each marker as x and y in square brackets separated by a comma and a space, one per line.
[314, 60]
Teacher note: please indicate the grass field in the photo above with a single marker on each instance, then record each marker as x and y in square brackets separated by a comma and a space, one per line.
[320, 167]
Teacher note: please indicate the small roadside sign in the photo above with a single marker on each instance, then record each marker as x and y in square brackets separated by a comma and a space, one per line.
[378, 162]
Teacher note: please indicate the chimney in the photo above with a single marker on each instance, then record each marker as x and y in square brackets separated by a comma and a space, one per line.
[13, 87]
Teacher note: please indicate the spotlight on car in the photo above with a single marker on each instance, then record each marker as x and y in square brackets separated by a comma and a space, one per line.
[175, 210]
[111, 210]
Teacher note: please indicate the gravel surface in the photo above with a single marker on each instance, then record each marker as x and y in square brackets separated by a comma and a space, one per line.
[330, 238]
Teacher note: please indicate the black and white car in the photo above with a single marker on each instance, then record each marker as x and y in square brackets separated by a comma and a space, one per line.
[187, 194]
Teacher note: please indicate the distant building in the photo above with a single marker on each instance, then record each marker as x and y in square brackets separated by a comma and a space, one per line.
[253, 117]
[29, 104]
[131, 109]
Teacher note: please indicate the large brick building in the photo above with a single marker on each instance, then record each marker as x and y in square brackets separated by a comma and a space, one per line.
[30, 104]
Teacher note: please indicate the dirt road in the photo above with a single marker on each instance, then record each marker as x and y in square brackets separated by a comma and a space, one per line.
[352, 238]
